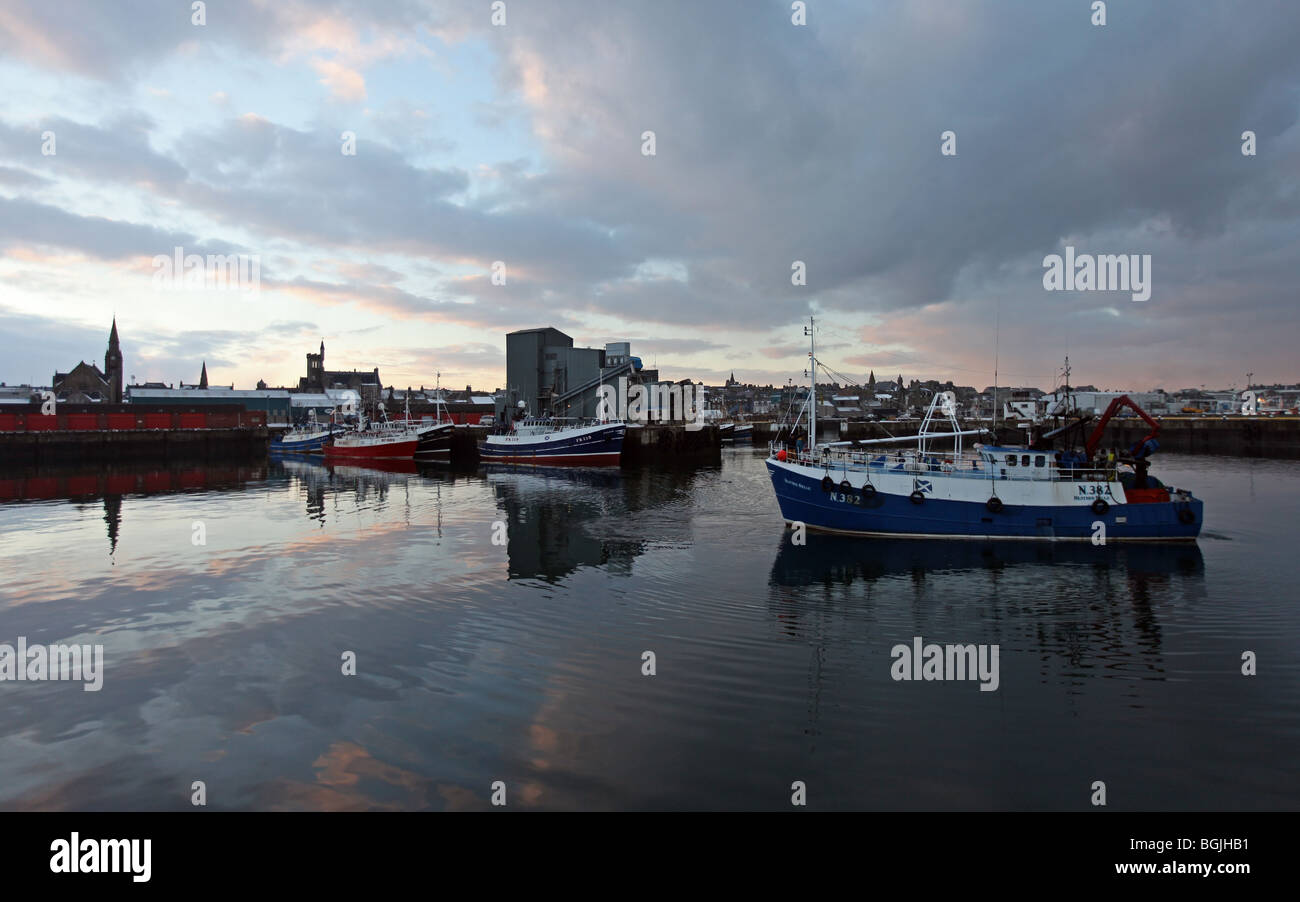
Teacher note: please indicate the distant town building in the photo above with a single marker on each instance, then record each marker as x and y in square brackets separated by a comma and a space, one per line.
[202, 383]
[848, 406]
[318, 379]
[466, 407]
[18, 394]
[86, 383]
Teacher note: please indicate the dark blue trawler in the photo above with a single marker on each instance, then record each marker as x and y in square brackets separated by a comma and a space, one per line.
[989, 491]
[548, 442]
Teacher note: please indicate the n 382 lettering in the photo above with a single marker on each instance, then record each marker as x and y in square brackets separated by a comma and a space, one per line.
[1091, 490]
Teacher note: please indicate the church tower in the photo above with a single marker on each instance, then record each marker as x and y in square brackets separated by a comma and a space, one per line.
[113, 367]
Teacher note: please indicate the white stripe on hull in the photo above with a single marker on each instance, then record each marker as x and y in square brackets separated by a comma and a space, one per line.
[973, 538]
[978, 489]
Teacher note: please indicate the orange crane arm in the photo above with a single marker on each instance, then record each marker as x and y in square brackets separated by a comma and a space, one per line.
[1116, 403]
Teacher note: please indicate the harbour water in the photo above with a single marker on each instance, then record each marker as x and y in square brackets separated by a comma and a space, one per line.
[521, 660]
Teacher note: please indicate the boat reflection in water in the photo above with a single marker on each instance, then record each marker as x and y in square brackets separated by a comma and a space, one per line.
[562, 519]
[361, 470]
[828, 559]
[554, 518]
[303, 465]
[367, 484]
[1094, 605]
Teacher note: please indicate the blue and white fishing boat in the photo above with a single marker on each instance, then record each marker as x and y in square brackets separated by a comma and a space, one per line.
[309, 438]
[552, 442]
[937, 488]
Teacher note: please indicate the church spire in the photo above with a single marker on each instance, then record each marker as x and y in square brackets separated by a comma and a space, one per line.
[113, 367]
[203, 377]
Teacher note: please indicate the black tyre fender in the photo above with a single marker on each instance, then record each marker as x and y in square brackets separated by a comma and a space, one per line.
[917, 497]
[868, 490]
[1186, 516]
[994, 504]
[1100, 506]
[846, 487]
[828, 484]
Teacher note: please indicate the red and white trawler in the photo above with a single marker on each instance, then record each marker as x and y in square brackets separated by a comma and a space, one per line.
[376, 440]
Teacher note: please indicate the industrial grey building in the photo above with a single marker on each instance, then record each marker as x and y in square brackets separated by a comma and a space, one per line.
[550, 376]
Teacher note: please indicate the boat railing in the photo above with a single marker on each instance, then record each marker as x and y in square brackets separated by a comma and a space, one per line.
[967, 464]
[536, 426]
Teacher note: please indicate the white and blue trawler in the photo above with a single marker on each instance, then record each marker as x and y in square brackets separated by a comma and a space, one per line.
[552, 442]
[309, 438]
[938, 489]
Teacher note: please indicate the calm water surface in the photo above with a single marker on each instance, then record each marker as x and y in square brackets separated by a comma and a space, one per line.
[522, 661]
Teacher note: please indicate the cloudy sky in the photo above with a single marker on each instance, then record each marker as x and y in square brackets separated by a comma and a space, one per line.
[774, 143]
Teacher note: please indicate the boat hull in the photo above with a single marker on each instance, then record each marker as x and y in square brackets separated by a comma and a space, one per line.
[435, 444]
[398, 450]
[312, 445]
[957, 508]
[586, 447]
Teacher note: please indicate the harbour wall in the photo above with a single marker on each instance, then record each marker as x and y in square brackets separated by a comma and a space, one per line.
[1235, 436]
[659, 445]
[69, 446]
[669, 446]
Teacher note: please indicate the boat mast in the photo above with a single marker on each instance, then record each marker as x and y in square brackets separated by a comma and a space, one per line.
[812, 398]
[997, 331]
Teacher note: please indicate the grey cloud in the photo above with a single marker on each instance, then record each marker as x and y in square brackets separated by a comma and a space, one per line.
[117, 151]
[25, 223]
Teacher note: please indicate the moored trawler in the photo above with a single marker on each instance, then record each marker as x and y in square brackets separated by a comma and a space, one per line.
[552, 442]
[309, 438]
[376, 440]
[990, 491]
[435, 442]
[374, 445]
[434, 438]
[434, 434]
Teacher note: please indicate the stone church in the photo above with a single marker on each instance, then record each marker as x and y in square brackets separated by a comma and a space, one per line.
[85, 383]
[365, 383]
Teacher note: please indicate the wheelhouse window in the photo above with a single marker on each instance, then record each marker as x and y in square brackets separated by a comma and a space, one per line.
[1040, 460]
[1024, 460]
[1011, 460]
